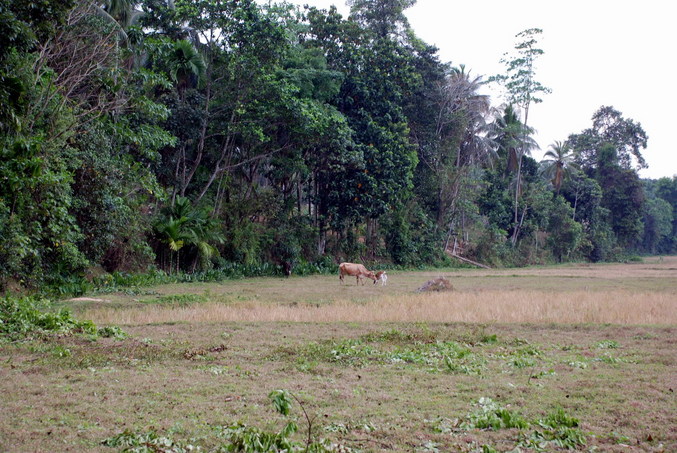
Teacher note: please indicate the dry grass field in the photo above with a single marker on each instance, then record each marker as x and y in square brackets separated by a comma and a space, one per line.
[506, 360]
[637, 293]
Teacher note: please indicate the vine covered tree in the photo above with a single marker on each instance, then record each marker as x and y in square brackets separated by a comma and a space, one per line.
[522, 89]
[609, 126]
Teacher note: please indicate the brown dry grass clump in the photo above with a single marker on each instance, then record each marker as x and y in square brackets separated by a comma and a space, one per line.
[436, 284]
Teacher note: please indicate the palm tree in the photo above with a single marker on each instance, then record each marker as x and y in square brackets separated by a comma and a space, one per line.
[185, 226]
[515, 141]
[172, 233]
[186, 65]
[203, 231]
[557, 163]
[513, 138]
[123, 11]
[461, 142]
[473, 109]
[122, 14]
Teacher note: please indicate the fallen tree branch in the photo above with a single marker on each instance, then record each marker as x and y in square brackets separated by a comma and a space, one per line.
[466, 260]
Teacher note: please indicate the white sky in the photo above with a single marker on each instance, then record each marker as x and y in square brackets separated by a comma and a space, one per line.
[597, 52]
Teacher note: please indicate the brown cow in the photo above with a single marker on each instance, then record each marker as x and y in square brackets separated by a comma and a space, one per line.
[355, 270]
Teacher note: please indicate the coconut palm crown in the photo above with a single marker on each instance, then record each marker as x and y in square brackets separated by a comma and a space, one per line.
[558, 163]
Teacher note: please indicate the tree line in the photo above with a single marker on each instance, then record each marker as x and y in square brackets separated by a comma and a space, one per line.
[190, 134]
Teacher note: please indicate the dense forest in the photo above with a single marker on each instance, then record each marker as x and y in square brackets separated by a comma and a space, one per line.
[190, 135]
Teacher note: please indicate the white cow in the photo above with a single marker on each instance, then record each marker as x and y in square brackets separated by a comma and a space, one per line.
[381, 275]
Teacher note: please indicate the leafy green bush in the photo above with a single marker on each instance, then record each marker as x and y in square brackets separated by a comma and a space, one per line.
[558, 430]
[22, 317]
[325, 266]
[68, 286]
[112, 332]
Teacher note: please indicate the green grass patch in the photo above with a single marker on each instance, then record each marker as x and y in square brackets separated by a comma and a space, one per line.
[388, 348]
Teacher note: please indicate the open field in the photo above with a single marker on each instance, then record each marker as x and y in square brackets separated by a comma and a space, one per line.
[382, 368]
[637, 293]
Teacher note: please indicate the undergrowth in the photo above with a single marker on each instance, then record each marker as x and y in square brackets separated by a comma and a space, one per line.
[77, 285]
[122, 281]
[23, 318]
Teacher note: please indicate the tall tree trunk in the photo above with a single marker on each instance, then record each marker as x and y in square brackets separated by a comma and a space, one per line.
[298, 197]
[573, 217]
[369, 238]
[201, 142]
[519, 173]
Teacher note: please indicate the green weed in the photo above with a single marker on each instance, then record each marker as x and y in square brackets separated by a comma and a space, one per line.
[522, 362]
[557, 429]
[609, 359]
[392, 336]
[558, 419]
[460, 360]
[149, 442]
[618, 438]
[607, 344]
[562, 437]
[352, 352]
[489, 339]
[490, 415]
[518, 342]
[444, 425]
[238, 437]
[241, 437]
[112, 332]
[180, 300]
[430, 446]
[543, 373]
[578, 364]
[447, 356]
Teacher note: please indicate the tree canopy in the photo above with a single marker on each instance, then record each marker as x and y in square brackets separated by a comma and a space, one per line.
[190, 135]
